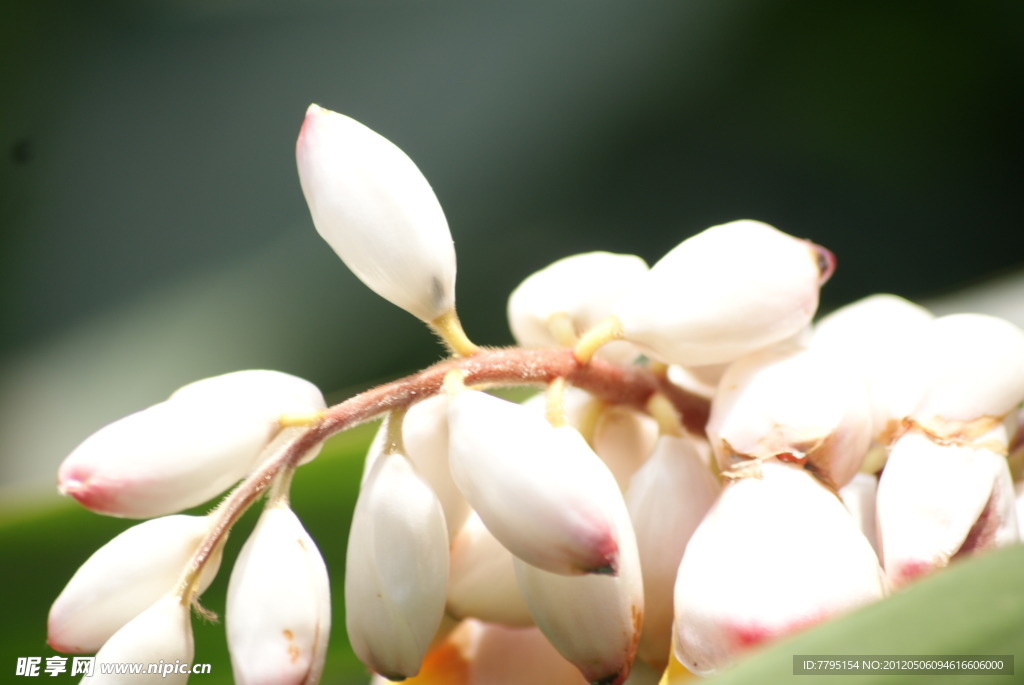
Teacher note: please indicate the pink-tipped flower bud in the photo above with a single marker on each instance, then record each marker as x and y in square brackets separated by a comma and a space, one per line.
[540, 490]
[374, 207]
[594, 621]
[186, 449]
[124, 577]
[798, 406]
[939, 500]
[667, 499]
[396, 569]
[161, 635]
[559, 303]
[723, 293]
[278, 615]
[774, 555]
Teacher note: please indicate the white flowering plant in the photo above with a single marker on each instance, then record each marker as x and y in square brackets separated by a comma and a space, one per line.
[707, 470]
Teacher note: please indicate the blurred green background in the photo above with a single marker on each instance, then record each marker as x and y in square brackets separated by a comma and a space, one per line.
[154, 231]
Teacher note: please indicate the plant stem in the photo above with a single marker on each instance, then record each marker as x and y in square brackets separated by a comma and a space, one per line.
[510, 366]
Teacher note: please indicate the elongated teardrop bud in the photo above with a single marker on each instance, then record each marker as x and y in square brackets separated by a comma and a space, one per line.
[162, 634]
[374, 207]
[667, 499]
[396, 569]
[187, 449]
[723, 293]
[279, 604]
[540, 490]
[124, 577]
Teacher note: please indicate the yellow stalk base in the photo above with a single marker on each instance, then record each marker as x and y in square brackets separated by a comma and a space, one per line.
[449, 329]
[603, 333]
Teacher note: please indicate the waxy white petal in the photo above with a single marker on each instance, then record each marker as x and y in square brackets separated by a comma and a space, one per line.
[425, 435]
[482, 582]
[594, 621]
[583, 289]
[940, 500]
[396, 569]
[375, 208]
[977, 364]
[187, 449]
[865, 329]
[958, 376]
[775, 554]
[796, 405]
[425, 441]
[860, 496]
[540, 490]
[622, 437]
[878, 338]
[667, 499]
[124, 577]
[278, 615]
[723, 293]
[161, 634]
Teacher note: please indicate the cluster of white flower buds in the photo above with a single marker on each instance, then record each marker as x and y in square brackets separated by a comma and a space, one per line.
[707, 470]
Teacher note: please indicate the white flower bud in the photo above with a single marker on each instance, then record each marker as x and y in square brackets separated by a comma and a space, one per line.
[667, 499]
[278, 614]
[396, 569]
[186, 449]
[622, 437]
[124, 577]
[374, 207]
[877, 337]
[540, 490]
[937, 501]
[482, 582]
[425, 436]
[774, 555]
[594, 621]
[798, 406]
[723, 293]
[161, 634]
[582, 290]
[425, 443]
[977, 372]
[863, 330]
[957, 377]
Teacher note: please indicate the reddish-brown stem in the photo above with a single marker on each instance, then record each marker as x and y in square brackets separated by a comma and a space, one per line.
[508, 366]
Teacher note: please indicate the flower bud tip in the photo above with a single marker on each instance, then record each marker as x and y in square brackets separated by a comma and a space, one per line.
[826, 263]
